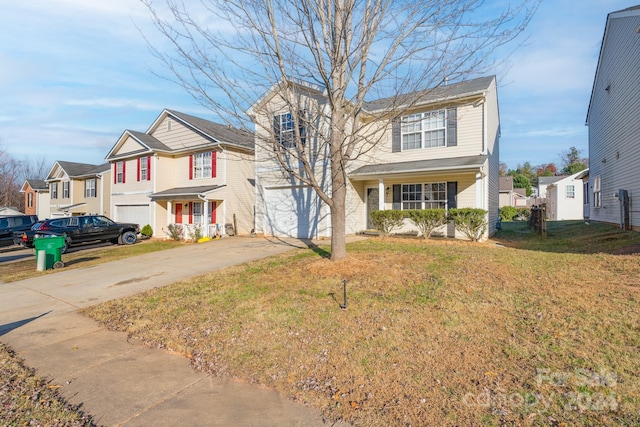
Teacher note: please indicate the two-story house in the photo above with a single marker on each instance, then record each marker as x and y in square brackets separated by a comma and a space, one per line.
[36, 198]
[184, 170]
[439, 151]
[78, 189]
[614, 128]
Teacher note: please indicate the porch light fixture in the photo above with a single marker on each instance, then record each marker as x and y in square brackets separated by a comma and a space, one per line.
[386, 191]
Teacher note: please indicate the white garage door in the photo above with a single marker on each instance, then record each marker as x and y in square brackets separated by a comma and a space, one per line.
[291, 212]
[136, 214]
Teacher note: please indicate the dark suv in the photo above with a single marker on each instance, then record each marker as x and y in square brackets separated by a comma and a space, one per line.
[81, 229]
[11, 224]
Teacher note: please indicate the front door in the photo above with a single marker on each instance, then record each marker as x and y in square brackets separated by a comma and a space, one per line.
[373, 204]
[178, 213]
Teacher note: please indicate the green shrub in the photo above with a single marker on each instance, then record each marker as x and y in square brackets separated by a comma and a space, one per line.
[147, 231]
[470, 221]
[176, 232]
[387, 221]
[427, 220]
[508, 213]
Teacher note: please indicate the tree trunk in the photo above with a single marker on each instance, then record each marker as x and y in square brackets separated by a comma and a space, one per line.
[338, 214]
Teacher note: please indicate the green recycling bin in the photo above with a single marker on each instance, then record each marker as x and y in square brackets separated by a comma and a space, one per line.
[52, 247]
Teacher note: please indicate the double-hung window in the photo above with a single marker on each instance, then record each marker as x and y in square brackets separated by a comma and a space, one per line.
[90, 188]
[30, 200]
[54, 190]
[202, 165]
[424, 130]
[571, 192]
[424, 196]
[143, 172]
[284, 129]
[597, 195]
[197, 214]
[119, 173]
[65, 190]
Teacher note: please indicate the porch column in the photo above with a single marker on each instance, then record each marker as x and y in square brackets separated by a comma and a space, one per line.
[381, 194]
[205, 217]
[169, 211]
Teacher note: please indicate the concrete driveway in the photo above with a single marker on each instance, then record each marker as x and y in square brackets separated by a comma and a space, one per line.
[123, 383]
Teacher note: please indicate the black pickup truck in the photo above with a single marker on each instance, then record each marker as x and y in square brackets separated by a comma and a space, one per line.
[81, 229]
[14, 223]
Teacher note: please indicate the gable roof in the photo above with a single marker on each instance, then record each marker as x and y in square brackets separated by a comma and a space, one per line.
[439, 93]
[548, 180]
[215, 131]
[35, 184]
[506, 183]
[78, 170]
[623, 13]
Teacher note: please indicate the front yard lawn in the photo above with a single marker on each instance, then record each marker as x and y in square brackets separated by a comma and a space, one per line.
[519, 330]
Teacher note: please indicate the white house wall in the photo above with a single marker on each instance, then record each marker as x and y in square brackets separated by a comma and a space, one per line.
[614, 128]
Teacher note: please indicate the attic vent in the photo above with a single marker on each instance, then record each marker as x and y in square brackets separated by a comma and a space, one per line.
[168, 125]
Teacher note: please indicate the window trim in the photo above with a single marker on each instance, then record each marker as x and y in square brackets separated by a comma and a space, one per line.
[54, 190]
[202, 165]
[597, 194]
[88, 191]
[570, 194]
[422, 124]
[288, 140]
[119, 176]
[420, 192]
[65, 189]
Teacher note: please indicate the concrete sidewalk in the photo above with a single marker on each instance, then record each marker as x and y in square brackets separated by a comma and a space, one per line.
[124, 383]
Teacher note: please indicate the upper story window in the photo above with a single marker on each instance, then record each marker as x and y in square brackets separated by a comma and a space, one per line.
[425, 130]
[202, 165]
[54, 190]
[30, 200]
[119, 174]
[144, 168]
[90, 188]
[571, 192]
[65, 190]
[284, 128]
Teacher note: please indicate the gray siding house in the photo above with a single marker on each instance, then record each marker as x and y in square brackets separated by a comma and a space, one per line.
[614, 127]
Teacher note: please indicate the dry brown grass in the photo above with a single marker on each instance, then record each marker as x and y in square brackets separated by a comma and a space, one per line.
[26, 399]
[440, 332]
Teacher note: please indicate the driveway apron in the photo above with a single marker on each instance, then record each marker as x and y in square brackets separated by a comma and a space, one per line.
[120, 382]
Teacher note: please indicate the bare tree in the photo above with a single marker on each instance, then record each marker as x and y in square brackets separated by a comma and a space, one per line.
[13, 173]
[228, 54]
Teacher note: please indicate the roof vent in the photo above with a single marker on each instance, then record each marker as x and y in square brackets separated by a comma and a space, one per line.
[168, 125]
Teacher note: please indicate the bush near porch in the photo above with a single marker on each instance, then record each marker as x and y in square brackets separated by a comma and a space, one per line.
[519, 330]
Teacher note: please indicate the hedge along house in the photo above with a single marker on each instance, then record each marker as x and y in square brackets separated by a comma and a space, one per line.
[441, 151]
[184, 170]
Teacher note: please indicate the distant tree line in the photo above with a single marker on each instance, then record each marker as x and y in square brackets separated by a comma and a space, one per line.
[526, 175]
[13, 173]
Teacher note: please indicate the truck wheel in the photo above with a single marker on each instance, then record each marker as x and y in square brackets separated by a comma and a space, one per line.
[128, 238]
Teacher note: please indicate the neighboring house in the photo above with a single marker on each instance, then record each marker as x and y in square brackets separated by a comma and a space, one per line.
[586, 206]
[509, 196]
[184, 170]
[614, 128]
[78, 189]
[36, 198]
[565, 198]
[543, 183]
[9, 211]
[441, 153]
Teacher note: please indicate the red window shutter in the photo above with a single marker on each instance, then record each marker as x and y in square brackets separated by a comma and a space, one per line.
[190, 212]
[213, 164]
[191, 166]
[138, 168]
[213, 212]
[124, 171]
[148, 168]
[115, 172]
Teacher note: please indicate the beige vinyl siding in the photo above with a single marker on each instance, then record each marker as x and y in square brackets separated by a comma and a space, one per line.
[492, 135]
[128, 146]
[240, 176]
[179, 137]
[103, 186]
[613, 120]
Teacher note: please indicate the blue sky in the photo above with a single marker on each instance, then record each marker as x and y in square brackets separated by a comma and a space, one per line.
[74, 74]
